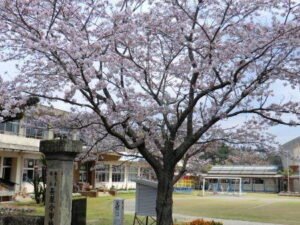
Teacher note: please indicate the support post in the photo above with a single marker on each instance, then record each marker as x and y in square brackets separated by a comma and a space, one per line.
[60, 155]
[240, 187]
[203, 187]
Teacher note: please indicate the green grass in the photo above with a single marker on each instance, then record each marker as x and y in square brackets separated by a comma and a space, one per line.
[251, 207]
[99, 210]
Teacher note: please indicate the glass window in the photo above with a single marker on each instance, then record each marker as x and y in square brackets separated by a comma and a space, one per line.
[12, 127]
[83, 173]
[36, 129]
[118, 174]
[102, 173]
[83, 176]
[62, 133]
[6, 169]
[7, 161]
[132, 173]
[246, 181]
[258, 181]
[28, 170]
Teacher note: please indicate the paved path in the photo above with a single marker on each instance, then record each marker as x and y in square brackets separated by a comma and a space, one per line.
[130, 206]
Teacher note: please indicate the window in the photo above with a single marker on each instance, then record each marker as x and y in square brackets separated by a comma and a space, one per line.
[83, 173]
[10, 128]
[30, 165]
[102, 173]
[36, 129]
[145, 172]
[118, 174]
[62, 133]
[214, 181]
[246, 181]
[132, 173]
[258, 181]
[6, 171]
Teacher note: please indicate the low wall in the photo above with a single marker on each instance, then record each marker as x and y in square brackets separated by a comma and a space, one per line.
[21, 220]
[79, 207]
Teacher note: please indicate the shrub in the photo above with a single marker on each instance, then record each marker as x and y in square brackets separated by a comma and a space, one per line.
[203, 222]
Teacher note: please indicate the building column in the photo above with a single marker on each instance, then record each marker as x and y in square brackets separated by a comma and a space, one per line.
[21, 173]
[16, 171]
[126, 176]
[1, 166]
[240, 186]
[110, 175]
[203, 187]
[139, 171]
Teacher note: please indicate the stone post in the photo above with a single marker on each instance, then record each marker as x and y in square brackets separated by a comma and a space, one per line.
[59, 155]
[118, 211]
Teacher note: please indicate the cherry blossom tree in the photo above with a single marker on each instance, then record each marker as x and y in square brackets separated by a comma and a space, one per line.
[12, 103]
[161, 77]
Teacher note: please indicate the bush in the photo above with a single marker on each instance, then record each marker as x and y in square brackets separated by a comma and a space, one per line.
[203, 222]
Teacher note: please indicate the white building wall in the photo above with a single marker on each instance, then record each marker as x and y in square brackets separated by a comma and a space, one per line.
[17, 168]
[293, 149]
[17, 143]
[126, 184]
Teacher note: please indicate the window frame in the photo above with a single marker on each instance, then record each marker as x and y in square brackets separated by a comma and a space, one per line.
[118, 174]
[35, 129]
[15, 128]
[132, 174]
[103, 173]
[26, 168]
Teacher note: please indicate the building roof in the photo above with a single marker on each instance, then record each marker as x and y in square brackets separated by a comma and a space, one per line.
[131, 158]
[243, 170]
[292, 144]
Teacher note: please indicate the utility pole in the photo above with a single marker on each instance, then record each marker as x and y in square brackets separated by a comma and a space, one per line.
[288, 174]
[299, 170]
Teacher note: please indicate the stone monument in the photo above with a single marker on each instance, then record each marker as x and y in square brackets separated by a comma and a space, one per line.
[118, 211]
[60, 155]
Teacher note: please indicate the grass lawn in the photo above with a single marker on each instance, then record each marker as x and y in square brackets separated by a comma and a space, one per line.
[99, 210]
[251, 207]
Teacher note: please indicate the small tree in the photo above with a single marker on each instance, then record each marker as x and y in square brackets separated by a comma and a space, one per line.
[286, 174]
[160, 77]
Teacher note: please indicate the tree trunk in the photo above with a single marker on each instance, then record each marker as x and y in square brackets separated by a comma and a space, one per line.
[164, 201]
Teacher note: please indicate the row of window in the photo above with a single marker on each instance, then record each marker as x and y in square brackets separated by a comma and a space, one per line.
[32, 129]
[28, 168]
[118, 173]
[31, 166]
[244, 180]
